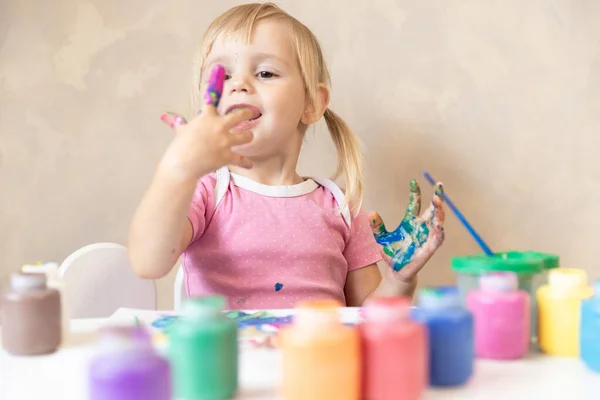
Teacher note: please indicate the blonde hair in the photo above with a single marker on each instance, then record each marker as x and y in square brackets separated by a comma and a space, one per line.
[242, 19]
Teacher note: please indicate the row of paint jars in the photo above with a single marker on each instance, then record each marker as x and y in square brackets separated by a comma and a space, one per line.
[389, 355]
[567, 316]
[563, 310]
[396, 352]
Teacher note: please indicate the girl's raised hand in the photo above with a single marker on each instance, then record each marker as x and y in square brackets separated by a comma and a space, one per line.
[407, 249]
[204, 144]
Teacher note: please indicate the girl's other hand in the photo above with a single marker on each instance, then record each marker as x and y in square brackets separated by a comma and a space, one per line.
[407, 249]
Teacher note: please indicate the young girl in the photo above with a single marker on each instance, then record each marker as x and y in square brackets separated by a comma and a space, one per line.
[227, 196]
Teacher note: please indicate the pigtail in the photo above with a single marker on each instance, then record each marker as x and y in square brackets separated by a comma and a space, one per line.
[349, 159]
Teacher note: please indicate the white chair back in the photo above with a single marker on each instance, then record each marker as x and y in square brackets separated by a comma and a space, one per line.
[179, 290]
[99, 280]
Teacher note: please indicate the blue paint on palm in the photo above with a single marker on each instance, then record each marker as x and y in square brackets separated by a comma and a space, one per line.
[400, 244]
[278, 286]
[403, 258]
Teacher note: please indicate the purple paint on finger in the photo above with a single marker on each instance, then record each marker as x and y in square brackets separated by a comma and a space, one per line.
[214, 89]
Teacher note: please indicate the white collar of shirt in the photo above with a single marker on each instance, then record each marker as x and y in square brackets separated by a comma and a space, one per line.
[299, 189]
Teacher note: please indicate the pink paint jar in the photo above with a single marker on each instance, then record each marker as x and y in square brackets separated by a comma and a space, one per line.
[502, 317]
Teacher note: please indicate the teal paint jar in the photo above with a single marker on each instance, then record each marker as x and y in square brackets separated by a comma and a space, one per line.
[531, 268]
[203, 351]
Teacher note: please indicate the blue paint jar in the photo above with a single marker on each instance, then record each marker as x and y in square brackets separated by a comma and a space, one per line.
[589, 332]
[450, 335]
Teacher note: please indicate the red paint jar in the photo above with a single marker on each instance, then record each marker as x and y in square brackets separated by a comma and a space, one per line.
[394, 351]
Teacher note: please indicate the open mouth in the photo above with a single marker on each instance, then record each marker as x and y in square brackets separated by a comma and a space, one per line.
[256, 114]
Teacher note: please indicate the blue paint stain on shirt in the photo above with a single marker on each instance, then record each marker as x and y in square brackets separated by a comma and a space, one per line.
[278, 286]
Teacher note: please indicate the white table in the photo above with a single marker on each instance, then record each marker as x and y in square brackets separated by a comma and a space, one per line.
[63, 375]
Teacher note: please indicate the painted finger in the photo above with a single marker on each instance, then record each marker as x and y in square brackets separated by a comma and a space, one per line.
[377, 225]
[214, 89]
[436, 202]
[427, 216]
[439, 191]
[172, 119]
[436, 234]
[413, 209]
[439, 214]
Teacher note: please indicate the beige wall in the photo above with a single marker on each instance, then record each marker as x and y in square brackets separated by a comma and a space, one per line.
[499, 99]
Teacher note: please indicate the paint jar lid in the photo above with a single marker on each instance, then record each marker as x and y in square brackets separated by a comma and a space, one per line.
[315, 314]
[204, 307]
[499, 281]
[526, 263]
[24, 281]
[439, 298]
[49, 268]
[387, 309]
[123, 339]
[567, 279]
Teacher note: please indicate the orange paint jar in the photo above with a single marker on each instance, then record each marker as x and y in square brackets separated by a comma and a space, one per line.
[321, 356]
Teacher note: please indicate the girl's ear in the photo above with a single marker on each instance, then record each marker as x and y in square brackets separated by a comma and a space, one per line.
[315, 110]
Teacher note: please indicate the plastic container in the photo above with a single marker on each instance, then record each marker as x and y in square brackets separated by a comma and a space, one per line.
[590, 330]
[126, 367]
[394, 351]
[203, 350]
[531, 267]
[559, 305]
[31, 316]
[321, 356]
[502, 317]
[450, 336]
[54, 281]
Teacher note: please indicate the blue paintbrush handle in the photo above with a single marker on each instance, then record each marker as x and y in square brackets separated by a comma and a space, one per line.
[461, 218]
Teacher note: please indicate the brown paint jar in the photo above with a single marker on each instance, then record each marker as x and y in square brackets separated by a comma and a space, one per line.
[31, 316]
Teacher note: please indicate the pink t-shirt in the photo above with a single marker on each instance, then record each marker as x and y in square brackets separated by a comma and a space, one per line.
[271, 246]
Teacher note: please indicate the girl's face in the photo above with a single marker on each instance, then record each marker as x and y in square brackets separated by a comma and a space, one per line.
[263, 75]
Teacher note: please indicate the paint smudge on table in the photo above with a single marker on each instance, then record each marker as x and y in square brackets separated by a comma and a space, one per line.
[257, 328]
[164, 321]
[243, 319]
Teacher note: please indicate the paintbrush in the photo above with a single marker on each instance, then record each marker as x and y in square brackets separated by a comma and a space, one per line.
[461, 218]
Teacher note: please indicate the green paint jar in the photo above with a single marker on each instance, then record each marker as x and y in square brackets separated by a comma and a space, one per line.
[531, 268]
[203, 351]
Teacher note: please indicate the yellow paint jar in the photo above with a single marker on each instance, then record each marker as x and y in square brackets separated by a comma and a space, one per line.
[559, 304]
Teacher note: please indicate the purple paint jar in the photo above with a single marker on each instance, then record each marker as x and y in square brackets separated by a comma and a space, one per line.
[127, 367]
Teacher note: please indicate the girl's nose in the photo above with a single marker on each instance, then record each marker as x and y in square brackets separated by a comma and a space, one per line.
[239, 83]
